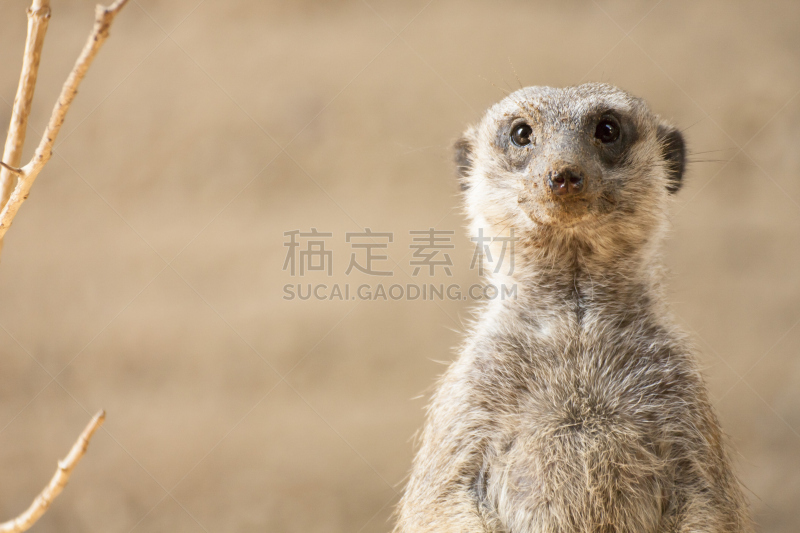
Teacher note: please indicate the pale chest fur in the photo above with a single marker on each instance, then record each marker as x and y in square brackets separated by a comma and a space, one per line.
[586, 422]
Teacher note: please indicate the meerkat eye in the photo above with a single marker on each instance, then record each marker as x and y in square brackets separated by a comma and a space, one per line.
[521, 134]
[607, 131]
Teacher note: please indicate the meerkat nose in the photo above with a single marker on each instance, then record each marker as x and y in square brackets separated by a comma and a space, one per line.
[565, 182]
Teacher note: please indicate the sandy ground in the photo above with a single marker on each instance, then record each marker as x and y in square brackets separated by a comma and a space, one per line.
[144, 276]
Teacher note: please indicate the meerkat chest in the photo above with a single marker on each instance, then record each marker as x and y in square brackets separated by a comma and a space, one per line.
[581, 450]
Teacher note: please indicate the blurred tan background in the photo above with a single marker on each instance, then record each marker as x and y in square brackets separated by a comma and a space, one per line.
[144, 276]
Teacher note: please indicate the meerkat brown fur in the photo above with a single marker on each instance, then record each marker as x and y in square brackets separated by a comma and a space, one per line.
[576, 407]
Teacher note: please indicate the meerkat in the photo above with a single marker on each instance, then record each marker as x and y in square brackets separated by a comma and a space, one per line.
[577, 407]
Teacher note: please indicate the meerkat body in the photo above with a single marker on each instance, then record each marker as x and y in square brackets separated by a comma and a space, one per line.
[576, 407]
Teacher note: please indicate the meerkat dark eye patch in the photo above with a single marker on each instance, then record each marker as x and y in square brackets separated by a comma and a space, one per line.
[612, 133]
[607, 131]
[521, 134]
[673, 149]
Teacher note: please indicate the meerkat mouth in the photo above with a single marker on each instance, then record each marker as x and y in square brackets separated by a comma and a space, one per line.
[557, 209]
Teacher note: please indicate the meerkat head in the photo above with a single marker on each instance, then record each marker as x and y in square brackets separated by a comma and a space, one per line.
[590, 160]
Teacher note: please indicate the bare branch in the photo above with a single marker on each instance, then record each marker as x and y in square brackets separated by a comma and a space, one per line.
[38, 17]
[104, 16]
[42, 502]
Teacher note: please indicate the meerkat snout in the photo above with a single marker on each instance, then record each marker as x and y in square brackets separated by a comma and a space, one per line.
[565, 181]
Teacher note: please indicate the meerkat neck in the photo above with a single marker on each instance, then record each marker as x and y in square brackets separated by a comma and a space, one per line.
[582, 285]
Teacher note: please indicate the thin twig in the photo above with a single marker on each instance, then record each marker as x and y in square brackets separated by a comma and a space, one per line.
[15, 170]
[42, 502]
[38, 17]
[104, 16]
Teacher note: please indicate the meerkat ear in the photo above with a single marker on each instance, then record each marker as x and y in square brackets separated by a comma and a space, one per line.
[673, 148]
[464, 157]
